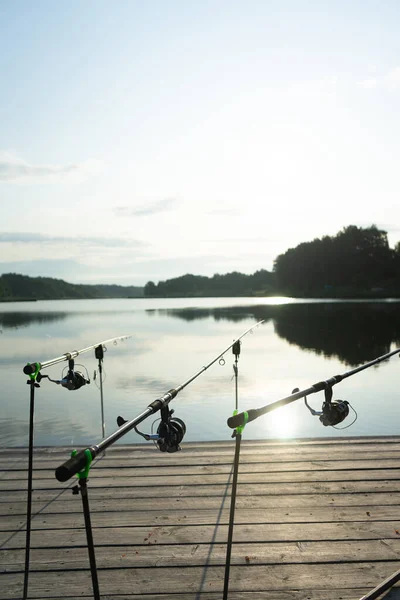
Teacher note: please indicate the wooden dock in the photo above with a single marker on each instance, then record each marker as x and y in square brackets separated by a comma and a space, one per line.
[315, 520]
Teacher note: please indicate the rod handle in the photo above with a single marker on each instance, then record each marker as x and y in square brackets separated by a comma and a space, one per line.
[73, 465]
[30, 368]
[238, 420]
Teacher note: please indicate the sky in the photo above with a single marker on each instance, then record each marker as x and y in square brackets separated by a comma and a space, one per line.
[145, 140]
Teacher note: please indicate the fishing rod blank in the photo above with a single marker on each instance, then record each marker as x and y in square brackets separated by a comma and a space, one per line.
[31, 368]
[173, 429]
[183, 385]
[254, 413]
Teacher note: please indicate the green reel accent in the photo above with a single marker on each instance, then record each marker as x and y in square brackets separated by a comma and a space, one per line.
[34, 375]
[239, 429]
[83, 474]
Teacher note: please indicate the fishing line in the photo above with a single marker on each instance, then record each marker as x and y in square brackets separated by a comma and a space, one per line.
[103, 377]
[352, 423]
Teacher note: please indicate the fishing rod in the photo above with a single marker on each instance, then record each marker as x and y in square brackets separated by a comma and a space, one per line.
[72, 380]
[333, 411]
[32, 368]
[170, 432]
[169, 435]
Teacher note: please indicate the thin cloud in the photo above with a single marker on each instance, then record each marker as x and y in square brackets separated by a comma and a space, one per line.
[224, 212]
[325, 85]
[16, 170]
[391, 79]
[369, 84]
[143, 210]
[32, 237]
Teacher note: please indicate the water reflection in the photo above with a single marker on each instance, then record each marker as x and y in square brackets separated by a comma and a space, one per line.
[233, 313]
[14, 320]
[354, 332]
[171, 342]
[50, 432]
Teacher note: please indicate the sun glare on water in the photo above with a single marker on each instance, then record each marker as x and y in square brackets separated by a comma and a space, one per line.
[280, 424]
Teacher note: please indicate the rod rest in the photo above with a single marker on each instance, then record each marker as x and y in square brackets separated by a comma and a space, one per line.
[73, 465]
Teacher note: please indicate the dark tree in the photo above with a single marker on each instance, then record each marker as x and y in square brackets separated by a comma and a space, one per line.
[355, 260]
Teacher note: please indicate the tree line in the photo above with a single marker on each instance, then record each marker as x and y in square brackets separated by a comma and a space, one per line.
[22, 287]
[355, 262]
[232, 284]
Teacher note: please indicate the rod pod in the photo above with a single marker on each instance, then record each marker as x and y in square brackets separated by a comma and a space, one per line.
[34, 374]
[82, 488]
[237, 434]
[99, 354]
[32, 384]
[242, 418]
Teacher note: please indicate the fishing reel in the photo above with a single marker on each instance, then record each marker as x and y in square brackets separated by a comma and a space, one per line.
[73, 380]
[170, 431]
[333, 411]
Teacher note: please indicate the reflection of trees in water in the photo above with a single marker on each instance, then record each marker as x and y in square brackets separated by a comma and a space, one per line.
[13, 320]
[355, 332]
[233, 313]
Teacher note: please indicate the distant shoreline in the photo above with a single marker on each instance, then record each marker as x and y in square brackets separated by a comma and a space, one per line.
[351, 297]
[5, 300]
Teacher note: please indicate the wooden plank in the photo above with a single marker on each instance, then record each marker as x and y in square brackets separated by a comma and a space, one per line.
[14, 503]
[123, 448]
[307, 594]
[189, 534]
[103, 468]
[143, 516]
[159, 460]
[315, 520]
[102, 488]
[226, 447]
[119, 557]
[345, 594]
[211, 475]
[351, 494]
[250, 578]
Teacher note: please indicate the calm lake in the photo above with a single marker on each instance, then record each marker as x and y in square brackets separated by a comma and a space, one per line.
[300, 343]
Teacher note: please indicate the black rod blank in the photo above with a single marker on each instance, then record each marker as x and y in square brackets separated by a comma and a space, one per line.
[78, 462]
